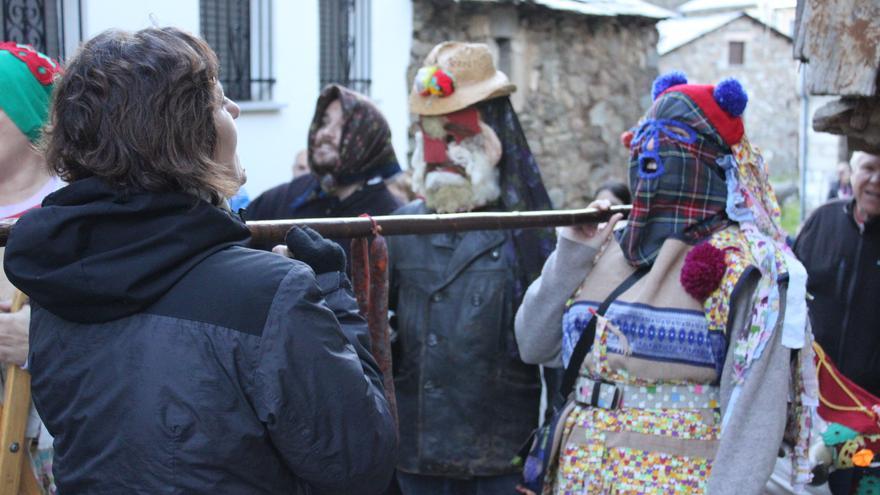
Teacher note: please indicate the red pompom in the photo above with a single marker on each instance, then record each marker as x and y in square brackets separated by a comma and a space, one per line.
[444, 82]
[702, 271]
[626, 138]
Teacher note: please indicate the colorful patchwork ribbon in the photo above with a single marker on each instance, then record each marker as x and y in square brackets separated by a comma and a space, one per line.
[752, 203]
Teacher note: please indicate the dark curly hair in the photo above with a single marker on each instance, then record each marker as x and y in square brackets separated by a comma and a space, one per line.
[136, 110]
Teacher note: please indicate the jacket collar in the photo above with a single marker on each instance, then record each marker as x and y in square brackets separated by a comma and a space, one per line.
[471, 246]
[871, 226]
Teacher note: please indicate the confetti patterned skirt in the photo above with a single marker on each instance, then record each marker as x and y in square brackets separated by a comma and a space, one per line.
[636, 451]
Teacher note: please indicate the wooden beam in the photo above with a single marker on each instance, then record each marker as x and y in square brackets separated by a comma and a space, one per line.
[273, 231]
[841, 41]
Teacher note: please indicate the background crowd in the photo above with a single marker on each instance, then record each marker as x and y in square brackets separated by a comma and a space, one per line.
[163, 344]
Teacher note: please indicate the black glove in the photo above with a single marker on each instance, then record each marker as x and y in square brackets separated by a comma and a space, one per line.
[308, 246]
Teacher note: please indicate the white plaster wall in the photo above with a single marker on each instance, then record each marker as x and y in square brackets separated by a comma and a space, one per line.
[269, 136]
[392, 39]
[822, 159]
[269, 140]
[99, 15]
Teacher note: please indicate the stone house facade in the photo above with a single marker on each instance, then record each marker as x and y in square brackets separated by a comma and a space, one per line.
[759, 56]
[582, 79]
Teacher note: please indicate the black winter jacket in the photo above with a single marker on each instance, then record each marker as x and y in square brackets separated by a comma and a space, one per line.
[843, 269]
[168, 358]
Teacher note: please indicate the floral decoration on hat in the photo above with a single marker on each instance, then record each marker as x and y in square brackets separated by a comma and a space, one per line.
[434, 81]
[43, 68]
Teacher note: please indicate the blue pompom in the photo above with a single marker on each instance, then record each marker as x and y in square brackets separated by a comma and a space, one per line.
[666, 81]
[731, 97]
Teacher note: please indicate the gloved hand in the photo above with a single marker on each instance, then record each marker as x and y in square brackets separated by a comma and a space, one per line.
[306, 245]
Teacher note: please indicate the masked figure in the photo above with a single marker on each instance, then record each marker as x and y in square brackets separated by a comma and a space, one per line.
[689, 315]
[466, 401]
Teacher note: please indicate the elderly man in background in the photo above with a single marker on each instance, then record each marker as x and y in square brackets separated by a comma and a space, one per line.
[466, 401]
[840, 247]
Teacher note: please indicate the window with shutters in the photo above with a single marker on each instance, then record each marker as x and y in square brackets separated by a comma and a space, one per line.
[345, 44]
[240, 32]
[47, 25]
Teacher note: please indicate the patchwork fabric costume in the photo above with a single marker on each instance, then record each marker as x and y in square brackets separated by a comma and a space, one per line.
[684, 389]
[851, 426]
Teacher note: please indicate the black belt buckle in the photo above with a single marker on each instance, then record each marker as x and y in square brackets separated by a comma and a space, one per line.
[605, 395]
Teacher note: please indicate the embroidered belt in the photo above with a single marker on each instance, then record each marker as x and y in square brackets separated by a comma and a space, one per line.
[610, 395]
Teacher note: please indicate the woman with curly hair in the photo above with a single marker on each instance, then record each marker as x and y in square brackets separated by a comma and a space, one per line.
[166, 355]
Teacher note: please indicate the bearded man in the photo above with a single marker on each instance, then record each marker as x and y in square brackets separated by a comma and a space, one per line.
[466, 401]
[349, 157]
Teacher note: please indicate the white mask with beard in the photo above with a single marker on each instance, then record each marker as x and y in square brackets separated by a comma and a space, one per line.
[469, 181]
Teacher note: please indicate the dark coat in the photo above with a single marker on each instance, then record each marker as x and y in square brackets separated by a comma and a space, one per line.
[166, 357]
[466, 401]
[843, 269]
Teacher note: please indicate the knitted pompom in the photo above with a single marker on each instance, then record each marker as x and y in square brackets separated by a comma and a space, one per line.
[731, 97]
[863, 458]
[666, 81]
[434, 81]
[836, 434]
[626, 138]
[702, 271]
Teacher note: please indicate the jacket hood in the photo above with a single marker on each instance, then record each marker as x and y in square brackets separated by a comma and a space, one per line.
[94, 253]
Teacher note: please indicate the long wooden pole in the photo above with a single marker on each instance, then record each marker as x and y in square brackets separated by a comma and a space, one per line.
[273, 231]
[16, 473]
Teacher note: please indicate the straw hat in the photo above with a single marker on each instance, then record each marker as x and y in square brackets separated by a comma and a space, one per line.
[455, 76]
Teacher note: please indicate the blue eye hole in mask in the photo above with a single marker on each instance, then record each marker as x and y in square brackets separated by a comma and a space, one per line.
[646, 141]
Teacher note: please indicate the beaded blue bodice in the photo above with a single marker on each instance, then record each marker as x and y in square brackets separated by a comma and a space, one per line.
[660, 334]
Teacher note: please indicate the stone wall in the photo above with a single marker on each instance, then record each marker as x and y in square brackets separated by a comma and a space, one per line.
[768, 74]
[582, 81]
